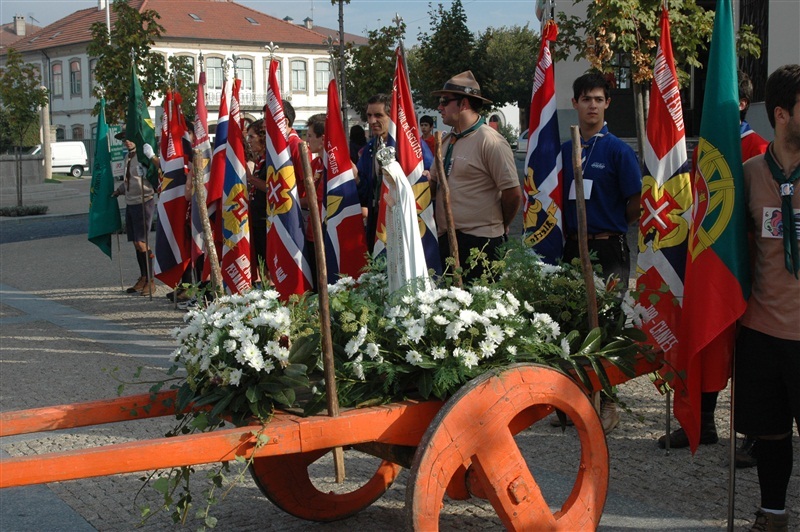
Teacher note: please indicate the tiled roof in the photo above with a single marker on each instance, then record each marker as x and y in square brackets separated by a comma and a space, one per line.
[9, 37]
[219, 21]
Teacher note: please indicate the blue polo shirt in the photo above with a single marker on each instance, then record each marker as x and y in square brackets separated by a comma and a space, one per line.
[611, 167]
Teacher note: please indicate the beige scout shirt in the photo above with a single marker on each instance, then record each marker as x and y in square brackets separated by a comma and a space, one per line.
[132, 185]
[774, 304]
[482, 167]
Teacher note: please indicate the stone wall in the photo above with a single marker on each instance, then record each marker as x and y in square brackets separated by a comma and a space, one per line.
[32, 170]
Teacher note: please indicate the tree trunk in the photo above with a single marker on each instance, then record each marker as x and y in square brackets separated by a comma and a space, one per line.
[19, 176]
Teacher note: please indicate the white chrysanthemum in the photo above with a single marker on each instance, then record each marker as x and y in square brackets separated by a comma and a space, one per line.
[468, 316]
[235, 377]
[527, 306]
[486, 348]
[358, 368]
[415, 333]
[564, 348]
[454, 329]
[372, 350]
[494, 334]
[438, 352]
[438, 319]
[545, 325]
[512, 299]
[512, 350]
[229, 346]
[462, 296]
[268, 366]
[214, 350]
[469, 359]
[425, 309]
[413, 358]
[355, 343]
[550, 269]
[449, 305]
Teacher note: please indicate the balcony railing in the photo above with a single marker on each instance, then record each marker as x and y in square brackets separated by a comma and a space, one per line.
[246, 98]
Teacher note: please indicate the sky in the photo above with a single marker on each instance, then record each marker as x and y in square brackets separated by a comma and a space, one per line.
[359, 15]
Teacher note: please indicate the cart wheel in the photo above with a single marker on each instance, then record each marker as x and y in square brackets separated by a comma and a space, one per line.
[475, 429]
[285, 481]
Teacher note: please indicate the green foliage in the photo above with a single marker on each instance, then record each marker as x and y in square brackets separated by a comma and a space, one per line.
[21, 96]
[371, 68]
[504, 60]
[445, 52]
[182, 80]
[23, 210]
[132, 33]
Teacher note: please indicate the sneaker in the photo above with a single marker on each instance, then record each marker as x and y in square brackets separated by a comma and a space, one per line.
[769, 522]
[138, 287]
[745, 456]
[609, 417]
[555, 422]
[188, 304]
[183, 296]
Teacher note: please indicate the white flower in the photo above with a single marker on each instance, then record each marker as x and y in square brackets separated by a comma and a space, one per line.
[469, 358]
[413, 358]
[229, 346]
[462, 296]
[468, 316]
[415, 333]
[373, 350]
[546, 326]
[448, 305]
[486, 348]
[352, 346]
[438, 352]
[438, 319]
[494, 334]
[425, 309]
[512, 350]
[235, 377]
[268, 366]
[528, 306]
[358, 369]
[454, 329]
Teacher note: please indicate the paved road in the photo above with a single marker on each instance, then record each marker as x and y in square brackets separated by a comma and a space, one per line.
[65, 324]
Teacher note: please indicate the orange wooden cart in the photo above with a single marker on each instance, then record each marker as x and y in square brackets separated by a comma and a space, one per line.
[461, 448]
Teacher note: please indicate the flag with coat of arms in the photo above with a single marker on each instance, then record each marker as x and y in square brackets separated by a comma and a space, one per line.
[288, 268]
[343, 226]
[201, 166]
[236, 274]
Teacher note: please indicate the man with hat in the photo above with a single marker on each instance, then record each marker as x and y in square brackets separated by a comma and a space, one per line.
[485, 192]
[139, 207]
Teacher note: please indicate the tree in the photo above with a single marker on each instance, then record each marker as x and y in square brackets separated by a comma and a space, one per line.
[182, 80]
[133, 33]
[441, 55]
[371, 68]
[505, 60]
[22, 96]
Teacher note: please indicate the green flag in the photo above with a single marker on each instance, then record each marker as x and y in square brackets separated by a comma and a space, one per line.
[104, 219]
[139, 127]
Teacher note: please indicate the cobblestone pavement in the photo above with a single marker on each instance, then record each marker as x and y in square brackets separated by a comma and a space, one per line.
[66, 325]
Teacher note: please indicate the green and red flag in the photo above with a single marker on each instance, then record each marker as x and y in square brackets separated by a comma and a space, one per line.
[104, 218]
[717, 281]
[139, 128]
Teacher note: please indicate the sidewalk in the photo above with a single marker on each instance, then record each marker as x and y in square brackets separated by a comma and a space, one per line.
[65, 324]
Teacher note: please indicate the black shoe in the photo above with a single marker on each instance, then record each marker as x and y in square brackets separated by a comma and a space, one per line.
[745, 456]
[678, 438]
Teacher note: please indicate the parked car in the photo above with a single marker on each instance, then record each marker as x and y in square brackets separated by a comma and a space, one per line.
[68, 157]
[522, 142]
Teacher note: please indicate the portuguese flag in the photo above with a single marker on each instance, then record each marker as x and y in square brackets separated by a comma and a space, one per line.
[717, 283]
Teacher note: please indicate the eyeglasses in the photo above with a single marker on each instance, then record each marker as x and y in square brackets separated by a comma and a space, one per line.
[444, 101]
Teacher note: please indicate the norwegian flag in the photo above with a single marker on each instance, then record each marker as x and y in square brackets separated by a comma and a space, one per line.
[217, 174]
[343, 226]
[172, 238]
[235, 226]
[666, 203]
[404, 134]
[202, 167]
[288, 267]
[543, 229]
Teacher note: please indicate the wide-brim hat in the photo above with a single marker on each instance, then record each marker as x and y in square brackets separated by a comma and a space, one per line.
[120, 135]
[463, 84]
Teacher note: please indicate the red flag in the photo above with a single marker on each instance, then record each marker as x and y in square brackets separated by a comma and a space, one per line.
[288, 267]
[345, 239]
[217, 174]
[405, 135]
[172, 238]
[717, 276]
[235, 221]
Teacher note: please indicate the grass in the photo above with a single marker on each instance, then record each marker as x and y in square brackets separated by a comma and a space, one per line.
[25, 210]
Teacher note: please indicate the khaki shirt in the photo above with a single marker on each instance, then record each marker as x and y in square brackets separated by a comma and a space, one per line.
[134, 181]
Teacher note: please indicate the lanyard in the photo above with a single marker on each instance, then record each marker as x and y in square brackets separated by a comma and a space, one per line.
[448, 156]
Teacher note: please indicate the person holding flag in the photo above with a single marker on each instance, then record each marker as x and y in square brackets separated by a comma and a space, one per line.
[767, 362]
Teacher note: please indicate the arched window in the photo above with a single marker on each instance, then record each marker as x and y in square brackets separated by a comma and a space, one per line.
[278, 73]
[92, 77]
[75, 77]
[322, 75]
[61, 133]
[299, 75]
[244, 71]
[77, 132]
[214, 73]
[58, 80]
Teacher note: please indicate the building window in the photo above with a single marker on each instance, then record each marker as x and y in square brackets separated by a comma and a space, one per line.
[77, 132]
[244, 71]
[182, 66]
[322, 75]
[298, 76]
[58, 80]
[278, 73]
[75, 78]
[61, 133]
[92, 76]
[214, 73]
[94, 131]
[622, 71]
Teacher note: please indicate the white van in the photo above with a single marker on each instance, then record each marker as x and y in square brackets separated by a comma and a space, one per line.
[68, 157]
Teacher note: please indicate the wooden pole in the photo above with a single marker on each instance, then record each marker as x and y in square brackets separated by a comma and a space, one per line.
[448, 210]
[583, 241]
[198, 163]
[324, 304]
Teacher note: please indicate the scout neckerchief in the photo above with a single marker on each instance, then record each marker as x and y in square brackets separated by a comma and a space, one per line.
[791, 256]
[456, 136]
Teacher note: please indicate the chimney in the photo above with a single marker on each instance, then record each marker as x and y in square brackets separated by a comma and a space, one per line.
[288, 19]
[308, 22]
[19, 25]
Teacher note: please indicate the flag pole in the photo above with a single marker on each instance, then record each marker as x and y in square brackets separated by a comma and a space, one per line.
[119, 262]
[732, 450]
[583, 242]
[448, 210]
[324, 305]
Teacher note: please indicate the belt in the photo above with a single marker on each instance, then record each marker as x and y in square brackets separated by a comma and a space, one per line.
[596, 236]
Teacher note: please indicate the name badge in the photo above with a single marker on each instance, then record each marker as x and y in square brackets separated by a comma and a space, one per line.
[587, 189]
